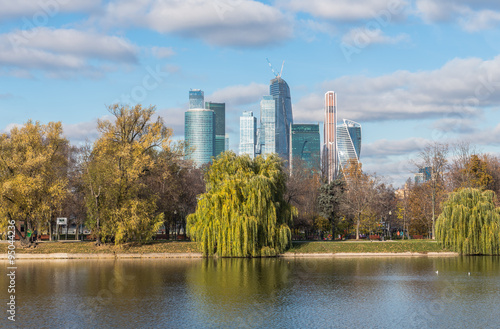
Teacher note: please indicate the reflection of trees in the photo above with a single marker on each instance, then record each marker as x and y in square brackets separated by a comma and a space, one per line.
[237, 292]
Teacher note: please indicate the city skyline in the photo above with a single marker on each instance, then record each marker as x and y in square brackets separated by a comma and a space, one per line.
[410, 72]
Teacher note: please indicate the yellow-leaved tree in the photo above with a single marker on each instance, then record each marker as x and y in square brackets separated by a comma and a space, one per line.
[119, 204]
[33, 182]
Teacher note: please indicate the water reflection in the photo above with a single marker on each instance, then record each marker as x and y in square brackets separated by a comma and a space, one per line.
[258, 293]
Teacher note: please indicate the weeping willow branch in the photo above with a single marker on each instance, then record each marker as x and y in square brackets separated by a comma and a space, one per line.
[469, 223]
[243, 213]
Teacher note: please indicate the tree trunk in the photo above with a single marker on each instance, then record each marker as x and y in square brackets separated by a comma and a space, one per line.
[357, 226]
[25, 242]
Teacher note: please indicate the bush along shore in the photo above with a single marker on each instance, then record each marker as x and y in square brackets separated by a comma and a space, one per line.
[298, 247]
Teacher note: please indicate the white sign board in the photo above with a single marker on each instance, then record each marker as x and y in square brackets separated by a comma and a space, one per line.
[62, 221]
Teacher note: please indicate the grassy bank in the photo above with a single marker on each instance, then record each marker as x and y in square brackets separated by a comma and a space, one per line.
[420, 246]
[90, 248]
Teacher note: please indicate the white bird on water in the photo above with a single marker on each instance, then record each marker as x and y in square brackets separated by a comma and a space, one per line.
[468, 273]
[437, 272]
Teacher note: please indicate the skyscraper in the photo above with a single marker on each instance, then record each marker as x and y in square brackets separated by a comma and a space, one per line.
[220, 125]
[267, 136]
[196, 99]
[348, 142]
[305, 145]
[280, 91]
[330, 160]
[200, 135]
[248, 133]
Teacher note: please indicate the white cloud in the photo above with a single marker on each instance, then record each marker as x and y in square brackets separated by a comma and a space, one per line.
[39, 11]
[462, 87]
[81, 132]
[472, 15]
[63, 51]
[347, 10]
[240, 94]
[362, 37]
[162, 52]
[222, 22]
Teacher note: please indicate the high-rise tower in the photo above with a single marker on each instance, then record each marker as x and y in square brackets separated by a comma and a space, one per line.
[280, 91]
[220, 125]
[196, 99]
[200, 135]
[305, 146]
[349, 143]
[267, 131]
[330, 160]
[248, 133]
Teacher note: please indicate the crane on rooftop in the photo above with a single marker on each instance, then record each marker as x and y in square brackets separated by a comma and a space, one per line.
[277, 75]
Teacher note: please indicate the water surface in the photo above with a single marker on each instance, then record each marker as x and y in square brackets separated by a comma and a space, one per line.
[257, 293]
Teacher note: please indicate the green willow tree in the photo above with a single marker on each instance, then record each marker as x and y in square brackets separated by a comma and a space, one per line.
[243, 212]
[470, 223]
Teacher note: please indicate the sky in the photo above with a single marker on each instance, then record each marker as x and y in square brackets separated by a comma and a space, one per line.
[411, 72]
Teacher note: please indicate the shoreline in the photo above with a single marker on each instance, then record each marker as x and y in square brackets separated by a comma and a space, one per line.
[23, 256]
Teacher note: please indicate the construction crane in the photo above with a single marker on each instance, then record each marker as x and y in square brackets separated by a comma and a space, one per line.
[277, 75]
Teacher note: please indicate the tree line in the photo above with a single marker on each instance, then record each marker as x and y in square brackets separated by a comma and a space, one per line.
[123, 186]
[134, 179]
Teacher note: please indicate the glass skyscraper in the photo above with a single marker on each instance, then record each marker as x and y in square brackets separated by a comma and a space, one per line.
[267, 133]
[280, 91]
[200, 135]
[348, 142]
[330, 159]
[220, 125]
[248, 133]
[305, 144]
[196, 99]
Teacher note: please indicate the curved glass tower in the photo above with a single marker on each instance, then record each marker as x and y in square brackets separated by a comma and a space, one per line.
[200, 135]
[348, 142]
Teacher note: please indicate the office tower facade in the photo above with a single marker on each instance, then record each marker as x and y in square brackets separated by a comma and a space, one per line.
[226, 146]
[423, 175]
[280, 91]
[305, 146]
[267, 136]
[348, 143]
[220, 125]
[196, 99]
[199, 128]
[330, 156]
[248, 134]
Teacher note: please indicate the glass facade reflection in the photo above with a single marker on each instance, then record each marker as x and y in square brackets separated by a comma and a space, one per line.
[305, 143]
[280, 91]
[196, 99]
[220, 125]
[348, 142]
[200, 135]
[248, 133]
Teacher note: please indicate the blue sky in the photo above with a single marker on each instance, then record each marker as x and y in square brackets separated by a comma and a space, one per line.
[409, 71]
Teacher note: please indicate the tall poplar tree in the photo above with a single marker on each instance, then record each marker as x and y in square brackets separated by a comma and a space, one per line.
[243, 212]
[470, 223]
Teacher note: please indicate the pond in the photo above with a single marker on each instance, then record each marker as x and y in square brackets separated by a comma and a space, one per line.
[409, 292]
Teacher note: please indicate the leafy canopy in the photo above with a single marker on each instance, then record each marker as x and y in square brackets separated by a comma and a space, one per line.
[470, 223]
[243, 212]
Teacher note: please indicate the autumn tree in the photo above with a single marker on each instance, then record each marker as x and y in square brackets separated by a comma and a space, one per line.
[120, 206]
[360, 195]
[33, 181]
[434, 157]
[470, 223]
[243, 212]
[302, 192]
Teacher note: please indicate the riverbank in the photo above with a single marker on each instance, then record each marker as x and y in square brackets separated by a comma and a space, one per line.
[181, 249]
